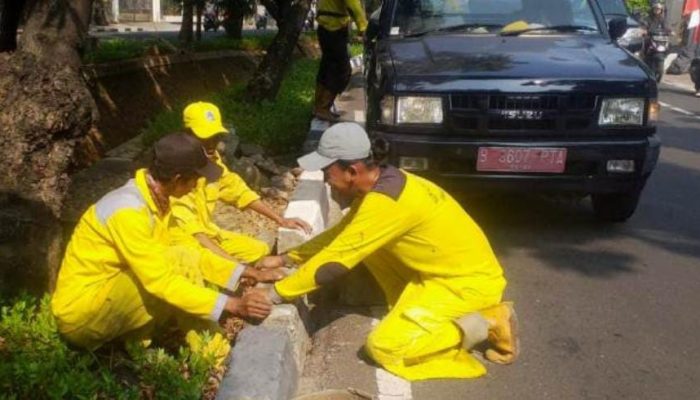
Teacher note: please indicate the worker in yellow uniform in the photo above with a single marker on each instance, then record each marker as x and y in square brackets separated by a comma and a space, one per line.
[121, 278]
[193, 213]
[333, 31]
[438, 272]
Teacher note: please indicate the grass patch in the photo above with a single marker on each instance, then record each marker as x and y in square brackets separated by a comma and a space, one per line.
[36, 363]
[279, 126]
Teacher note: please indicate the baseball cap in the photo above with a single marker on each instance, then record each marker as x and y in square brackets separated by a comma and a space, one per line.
[343, 141]
[204, 119]
[183, 154]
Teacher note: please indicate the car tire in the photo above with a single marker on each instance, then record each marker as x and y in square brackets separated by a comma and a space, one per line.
[615, 207]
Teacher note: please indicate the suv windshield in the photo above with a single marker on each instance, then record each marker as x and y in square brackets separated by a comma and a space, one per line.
[416, 17]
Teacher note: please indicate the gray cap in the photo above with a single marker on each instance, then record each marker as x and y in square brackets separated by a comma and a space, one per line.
[343, 141]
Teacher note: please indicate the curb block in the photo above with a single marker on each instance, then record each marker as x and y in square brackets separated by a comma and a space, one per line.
[309, 202]
[262, 367]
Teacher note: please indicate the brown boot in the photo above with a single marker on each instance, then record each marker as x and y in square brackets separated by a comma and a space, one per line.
[322, 104]
[503, 333]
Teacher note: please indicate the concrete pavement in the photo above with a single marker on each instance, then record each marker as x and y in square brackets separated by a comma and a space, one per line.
[606, 311]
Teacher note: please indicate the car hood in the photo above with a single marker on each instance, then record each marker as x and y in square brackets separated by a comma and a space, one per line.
[430, 62]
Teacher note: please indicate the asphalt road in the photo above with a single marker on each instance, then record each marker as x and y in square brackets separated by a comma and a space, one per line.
[606, 311]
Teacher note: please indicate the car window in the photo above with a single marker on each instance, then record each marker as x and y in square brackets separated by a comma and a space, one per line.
[414, 16]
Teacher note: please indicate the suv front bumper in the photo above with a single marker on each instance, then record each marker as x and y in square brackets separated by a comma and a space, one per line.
[452, 163]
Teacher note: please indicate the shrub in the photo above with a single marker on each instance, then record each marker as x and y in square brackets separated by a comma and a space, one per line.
[36, 363]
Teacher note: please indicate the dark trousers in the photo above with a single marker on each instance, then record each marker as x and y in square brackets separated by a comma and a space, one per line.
[695, 73]
[334, 72]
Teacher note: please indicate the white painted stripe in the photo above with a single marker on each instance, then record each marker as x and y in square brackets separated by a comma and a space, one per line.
[390, 386]
[679, 110]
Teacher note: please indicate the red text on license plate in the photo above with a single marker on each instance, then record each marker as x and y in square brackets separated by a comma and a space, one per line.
[521, 159]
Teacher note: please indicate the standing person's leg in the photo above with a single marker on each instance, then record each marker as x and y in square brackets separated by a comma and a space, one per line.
[324, 77]
[695, 75]
[421, 339]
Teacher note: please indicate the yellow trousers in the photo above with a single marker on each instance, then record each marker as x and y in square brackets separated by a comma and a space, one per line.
[418, 339]
[131, 313]
[242, 247]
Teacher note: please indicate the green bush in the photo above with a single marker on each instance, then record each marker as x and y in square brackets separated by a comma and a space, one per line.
[280, 126]
[638, 6]
[36, 363]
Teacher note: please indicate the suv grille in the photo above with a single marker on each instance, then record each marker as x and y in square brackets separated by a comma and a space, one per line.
[481, 113]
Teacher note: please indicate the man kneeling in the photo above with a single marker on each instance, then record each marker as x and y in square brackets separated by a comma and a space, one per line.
[440, 277]
[120, 277]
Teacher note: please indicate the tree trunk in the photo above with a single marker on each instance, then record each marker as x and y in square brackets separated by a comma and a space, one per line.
[267, 78]
[233, 25]
[99, 13]
[186, 29]
[46, 112]
[10, 16]
[200, 10]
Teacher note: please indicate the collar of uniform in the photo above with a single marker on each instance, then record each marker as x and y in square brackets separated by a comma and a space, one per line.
[142, 185]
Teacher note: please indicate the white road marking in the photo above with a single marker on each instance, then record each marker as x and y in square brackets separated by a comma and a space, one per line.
[679, 110]
[390, 386]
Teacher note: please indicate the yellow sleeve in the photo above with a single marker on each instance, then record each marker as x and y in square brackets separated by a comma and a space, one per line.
[305, 251]
[132, 233]
[184, 213]
[378, 220]
[233, 190]
[220, 271]
[358, 14]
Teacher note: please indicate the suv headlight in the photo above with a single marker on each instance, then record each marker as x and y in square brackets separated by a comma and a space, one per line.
[419, 110]
[623, 111]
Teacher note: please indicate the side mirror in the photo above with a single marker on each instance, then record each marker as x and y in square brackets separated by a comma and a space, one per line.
[617, 28]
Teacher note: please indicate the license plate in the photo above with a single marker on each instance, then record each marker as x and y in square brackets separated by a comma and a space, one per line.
[519, 159]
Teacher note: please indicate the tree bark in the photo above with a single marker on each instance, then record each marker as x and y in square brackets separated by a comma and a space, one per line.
[10, 16]
[99, 13]
[186, 29]
[200, 10]
[46, 112]
[267, 78]
[234, 25]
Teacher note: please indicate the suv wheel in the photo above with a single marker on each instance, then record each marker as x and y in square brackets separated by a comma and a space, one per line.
[615, 207]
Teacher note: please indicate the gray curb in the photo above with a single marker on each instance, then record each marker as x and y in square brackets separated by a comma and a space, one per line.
[267, 360]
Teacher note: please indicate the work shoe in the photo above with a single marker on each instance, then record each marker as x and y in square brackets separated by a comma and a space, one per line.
[323, 101]
[503, 333]
[697, 94]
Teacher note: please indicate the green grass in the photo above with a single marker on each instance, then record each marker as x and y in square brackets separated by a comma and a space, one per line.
[279, 126]
[36, 363]
[114, 49]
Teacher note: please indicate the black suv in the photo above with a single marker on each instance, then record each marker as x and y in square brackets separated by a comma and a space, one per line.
[530, 95]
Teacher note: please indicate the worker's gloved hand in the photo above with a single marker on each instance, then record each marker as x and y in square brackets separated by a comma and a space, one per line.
[296, 223]
[253, 304]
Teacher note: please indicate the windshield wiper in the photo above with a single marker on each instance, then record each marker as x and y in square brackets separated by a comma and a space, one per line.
[559, 28]
[453, 28]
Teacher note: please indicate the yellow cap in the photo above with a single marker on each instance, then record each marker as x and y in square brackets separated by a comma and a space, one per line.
[204, 119]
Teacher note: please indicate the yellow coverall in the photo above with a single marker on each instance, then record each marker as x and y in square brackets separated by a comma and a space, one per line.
[333, 14]
[192, 214]
[432, 261]
[120, 273]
